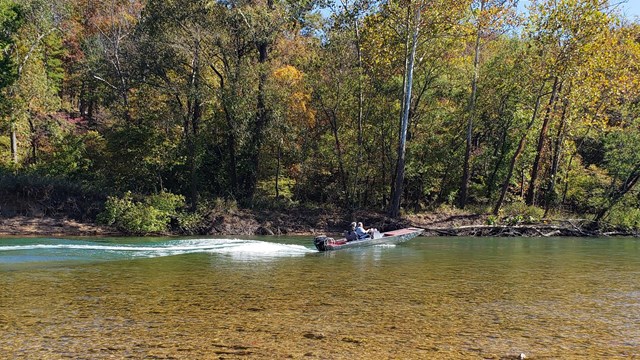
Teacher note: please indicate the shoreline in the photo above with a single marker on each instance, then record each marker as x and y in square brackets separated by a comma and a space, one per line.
[47, 226]
[246, 223]
[242, 223]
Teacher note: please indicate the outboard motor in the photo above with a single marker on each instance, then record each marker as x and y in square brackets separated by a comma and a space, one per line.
[320, 242]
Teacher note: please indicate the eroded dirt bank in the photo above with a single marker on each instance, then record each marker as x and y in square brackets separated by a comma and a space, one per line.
[299, 222]
[313, 222]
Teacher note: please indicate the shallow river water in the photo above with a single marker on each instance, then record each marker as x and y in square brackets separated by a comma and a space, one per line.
[277, 298]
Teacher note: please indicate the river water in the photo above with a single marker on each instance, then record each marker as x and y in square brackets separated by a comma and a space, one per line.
[277, 298]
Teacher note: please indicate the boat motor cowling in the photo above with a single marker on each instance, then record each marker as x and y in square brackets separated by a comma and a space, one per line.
[321, 241]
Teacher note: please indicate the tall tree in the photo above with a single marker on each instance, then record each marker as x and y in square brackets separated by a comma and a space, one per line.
[179, 30]
[110, 26]
[414, 13]
[421, 23]
[563, 32]
[490, 18]
[37, 53]
[10, 20]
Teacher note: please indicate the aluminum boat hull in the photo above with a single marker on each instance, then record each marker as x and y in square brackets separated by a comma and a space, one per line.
[323, 243]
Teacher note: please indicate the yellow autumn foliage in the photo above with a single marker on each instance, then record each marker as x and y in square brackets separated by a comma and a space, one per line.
[288, 77]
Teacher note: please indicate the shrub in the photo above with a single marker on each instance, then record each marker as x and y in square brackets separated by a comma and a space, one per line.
[30, 193]
[151, 214]
[626, 218]
[224, 205]
[587, 188]
[492, 220]
[519, 212]
[192, 223]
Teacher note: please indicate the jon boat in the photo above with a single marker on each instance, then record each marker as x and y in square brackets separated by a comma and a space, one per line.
[324, 243]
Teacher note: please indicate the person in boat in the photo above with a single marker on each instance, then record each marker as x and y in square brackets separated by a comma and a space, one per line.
[362, 233]
[351, 235]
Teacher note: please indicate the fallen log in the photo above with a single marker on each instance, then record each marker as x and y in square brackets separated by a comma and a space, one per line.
[564, 228]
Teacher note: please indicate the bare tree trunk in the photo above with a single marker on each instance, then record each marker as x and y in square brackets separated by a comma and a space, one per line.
[500, 151]
[14, 144]
[231, 137]
[530, 199]
[343, 176]
[360, 104]
[519, 149]
[278, 169]
[33, 140]
[394, 210]
[555, 163]
[353, 15]
[466, 171]
[196, 115]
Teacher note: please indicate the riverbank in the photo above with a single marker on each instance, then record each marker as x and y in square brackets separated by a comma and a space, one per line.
[243, 222]
[310, 222]
[47, 226]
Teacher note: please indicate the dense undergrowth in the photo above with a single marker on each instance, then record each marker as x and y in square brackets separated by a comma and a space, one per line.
[162, 213]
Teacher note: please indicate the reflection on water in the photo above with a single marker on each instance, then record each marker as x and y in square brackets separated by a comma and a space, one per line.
[431, 298]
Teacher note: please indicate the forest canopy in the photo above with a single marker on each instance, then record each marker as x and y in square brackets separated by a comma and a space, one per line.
[397, 106]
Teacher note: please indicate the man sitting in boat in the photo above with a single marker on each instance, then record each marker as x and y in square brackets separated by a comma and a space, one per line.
[364, 234]
[351, 235]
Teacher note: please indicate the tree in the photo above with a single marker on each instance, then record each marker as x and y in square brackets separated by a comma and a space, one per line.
[490, 19]
[110, 27]
[413, 32]
[10, 21]
[440, 19]
[37, 53]
[563, 33]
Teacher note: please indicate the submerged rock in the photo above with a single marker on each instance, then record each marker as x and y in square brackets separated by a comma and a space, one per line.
[314, 336]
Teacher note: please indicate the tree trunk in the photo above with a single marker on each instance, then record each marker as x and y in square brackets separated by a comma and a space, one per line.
[343, 176]
[194, 114]
[257, 134]
[14, 144]
[519, 149]
[555, 163]
[360, 108]
[278, 169]
[530, 199]
[620, 192]
[33, 140]
[261, 120]
[466, 169]
[231, 137]
[394, 210]
[500, 151]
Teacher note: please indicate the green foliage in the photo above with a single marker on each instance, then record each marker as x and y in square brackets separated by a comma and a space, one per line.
[10, 20]
[267, 188]
[192, 223]
[53, 53]
[213, 100]
[586, 188]
[32, 193]
[198, 221]
[74, 157]
[624, 217]
[621, 151]
[519, 212]
[136, 158]
[150, 214]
